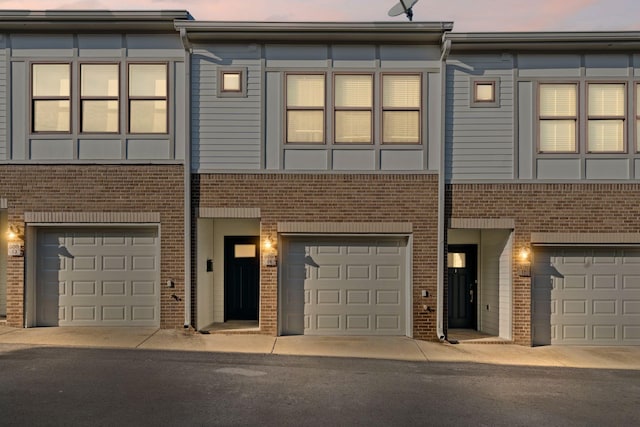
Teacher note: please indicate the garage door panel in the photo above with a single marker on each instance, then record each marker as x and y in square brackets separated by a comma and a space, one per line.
[631, 333]
[593, 300]
[108, 279]
[351, 286]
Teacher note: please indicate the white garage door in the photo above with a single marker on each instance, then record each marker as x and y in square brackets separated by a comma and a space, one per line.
[344, 286]
[97, 277]
[587, 296]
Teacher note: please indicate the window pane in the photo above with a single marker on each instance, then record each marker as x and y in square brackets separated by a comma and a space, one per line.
[148, 80]
[401, 91]
[606, 99]
[305, 126]
[484, 92]
[99, 80]
[51, 80]
[557, 135]
[51, 116]
[305, 91]
[606, 135]
[353, 126]
[638, 135]
[99, 116]
[231, 82]
[148, 117]
[401, 127]
[557, 100]
[353, 91]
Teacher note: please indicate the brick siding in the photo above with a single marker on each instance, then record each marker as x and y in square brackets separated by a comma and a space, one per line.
[579, 208]
[91, 188]
[335, 198]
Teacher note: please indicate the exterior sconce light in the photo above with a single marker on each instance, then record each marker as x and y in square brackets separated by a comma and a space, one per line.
[524, 264]
[269, 253]
[15, 241]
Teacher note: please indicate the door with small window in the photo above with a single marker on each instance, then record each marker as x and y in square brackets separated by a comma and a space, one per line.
[241, 277]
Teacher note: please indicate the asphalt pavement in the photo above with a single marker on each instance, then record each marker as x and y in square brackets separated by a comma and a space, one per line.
[387, 348]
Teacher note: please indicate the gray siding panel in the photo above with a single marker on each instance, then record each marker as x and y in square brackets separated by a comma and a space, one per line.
[19, 108]
[550, 66]
[525, 130]
[480, 140]
[227, 132]
[558, 168]
[607, 168]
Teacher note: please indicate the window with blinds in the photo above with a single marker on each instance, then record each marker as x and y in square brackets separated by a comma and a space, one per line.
[353, 99]
[401, 95]
[606, 115]
[51, 97]
[558, 118]
[99, 90]
[305, 98]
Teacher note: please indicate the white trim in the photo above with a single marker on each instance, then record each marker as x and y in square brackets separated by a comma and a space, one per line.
[91, 217]
[222, 213]
[346, 227]
[585, 238]
[3, 203]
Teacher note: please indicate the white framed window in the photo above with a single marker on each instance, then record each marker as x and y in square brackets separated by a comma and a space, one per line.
[51, 97]
[353, 108]
[148, 98]
[606, 117]
[638, 117]
[557, 117]
[99, 98]
[401, 108]
[305, 105]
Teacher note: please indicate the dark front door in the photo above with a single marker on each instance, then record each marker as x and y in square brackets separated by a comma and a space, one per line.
[241, 277]
[462, 278]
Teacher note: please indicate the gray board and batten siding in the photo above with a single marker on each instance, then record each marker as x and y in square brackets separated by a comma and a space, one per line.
[248, 132]
[24, 49]
[499, 142]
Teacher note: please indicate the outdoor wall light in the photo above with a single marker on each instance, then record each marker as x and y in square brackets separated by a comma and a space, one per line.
[269, 254]
[15, 241]
[524, 266]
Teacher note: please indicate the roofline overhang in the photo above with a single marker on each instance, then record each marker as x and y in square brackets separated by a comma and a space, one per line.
[315, 32]
[545, 41]
[95, 21]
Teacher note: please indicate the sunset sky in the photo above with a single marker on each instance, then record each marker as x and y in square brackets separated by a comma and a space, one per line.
[468, 15]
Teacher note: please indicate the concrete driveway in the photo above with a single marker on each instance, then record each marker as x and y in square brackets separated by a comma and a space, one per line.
[391, 348]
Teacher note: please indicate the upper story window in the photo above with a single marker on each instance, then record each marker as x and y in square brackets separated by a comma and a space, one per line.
[637, 117]
[100, 86]
[148, 98]
[99, 103]
[558, 117]
[305, 108]
[51, 97]
[484, 92]
[606, 116]
[353, 108]
[401, 112]
[231, 82]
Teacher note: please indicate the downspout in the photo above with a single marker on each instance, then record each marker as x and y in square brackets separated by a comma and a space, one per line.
[446, 48]
[187, 178]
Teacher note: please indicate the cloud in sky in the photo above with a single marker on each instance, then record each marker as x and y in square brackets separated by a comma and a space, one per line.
[468, 15]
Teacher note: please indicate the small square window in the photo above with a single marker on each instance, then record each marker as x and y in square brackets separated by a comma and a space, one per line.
[484, 93]
[232, 82]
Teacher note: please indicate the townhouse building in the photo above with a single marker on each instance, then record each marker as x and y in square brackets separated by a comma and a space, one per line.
[319, 178]
[92, 147]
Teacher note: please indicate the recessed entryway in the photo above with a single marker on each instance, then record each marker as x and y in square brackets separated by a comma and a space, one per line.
[228, 274]
[462, 279]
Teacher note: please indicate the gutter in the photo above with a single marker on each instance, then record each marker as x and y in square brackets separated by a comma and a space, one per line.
[446, 48]
[187, 178]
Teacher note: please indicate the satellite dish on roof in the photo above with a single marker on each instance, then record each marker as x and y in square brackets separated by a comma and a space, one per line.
[405, 6]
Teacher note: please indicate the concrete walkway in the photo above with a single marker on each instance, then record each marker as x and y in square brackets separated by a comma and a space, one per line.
[391, 348]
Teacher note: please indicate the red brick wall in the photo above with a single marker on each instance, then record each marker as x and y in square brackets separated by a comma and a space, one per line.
[91, 188]
[336, 198]
[580, 208]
